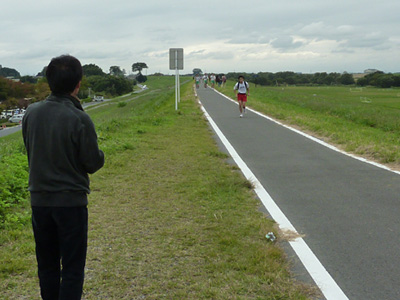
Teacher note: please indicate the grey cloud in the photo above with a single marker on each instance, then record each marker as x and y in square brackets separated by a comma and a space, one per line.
[121, 32]
[164, 54]
[375, 41]
[203, 54]
[196, 53]
[322, 31]
[343, 50]
[286, 43]
[347, 35]
[250, 39]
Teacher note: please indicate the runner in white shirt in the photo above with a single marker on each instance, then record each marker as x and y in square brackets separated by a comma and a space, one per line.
[205, 79]
[242, 90]
[197, 79]
[212, 79]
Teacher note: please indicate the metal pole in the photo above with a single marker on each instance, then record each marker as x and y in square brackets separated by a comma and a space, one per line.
[179, 88]
[176, 90]
[176, 80]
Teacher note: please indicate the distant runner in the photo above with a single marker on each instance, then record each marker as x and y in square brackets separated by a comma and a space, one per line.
[242, 90]
[219, 80]
[197, 79]
[223, 80]
[212, 79]
[205, 79]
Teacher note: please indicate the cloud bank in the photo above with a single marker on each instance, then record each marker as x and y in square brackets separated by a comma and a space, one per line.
[217, 36]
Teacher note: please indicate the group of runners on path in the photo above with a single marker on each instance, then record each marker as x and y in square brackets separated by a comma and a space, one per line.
[212, 79]
[241, 88]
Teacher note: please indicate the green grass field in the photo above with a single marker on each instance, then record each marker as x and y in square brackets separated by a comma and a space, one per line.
[364, 121]
[169, 218]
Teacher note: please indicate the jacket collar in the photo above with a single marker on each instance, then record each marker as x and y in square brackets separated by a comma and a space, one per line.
[75, 101]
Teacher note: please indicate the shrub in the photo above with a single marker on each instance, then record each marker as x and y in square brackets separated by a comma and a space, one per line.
[141, 78]
[13, 187]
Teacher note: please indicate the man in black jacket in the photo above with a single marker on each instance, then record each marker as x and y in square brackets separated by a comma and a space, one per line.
[62, 149]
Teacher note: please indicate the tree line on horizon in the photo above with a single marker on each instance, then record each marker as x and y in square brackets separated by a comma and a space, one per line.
[28, 89]
[377, 79]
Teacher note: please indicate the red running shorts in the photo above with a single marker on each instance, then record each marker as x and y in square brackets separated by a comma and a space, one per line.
[242, 97]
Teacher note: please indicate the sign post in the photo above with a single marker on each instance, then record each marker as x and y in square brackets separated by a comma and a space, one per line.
[176, 63]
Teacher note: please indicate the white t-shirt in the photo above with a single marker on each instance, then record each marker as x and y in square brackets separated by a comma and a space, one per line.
[212, 77]
[241, 87]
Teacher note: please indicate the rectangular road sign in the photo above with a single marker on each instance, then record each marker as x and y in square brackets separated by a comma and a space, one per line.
[176, 58]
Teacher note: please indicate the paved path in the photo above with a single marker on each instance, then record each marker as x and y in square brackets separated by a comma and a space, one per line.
[348, 210]
[10, 130]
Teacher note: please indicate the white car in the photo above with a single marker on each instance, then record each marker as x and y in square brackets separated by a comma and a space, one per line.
[6, 114]
[16, 118]
[98, 98]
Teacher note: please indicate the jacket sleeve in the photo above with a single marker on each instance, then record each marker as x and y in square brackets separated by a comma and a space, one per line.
[90, 156]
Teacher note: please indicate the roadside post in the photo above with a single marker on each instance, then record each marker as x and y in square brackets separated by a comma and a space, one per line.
[176, 63]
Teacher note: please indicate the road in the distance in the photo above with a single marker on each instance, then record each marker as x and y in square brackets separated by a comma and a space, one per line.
[348, 210]
[8, 131]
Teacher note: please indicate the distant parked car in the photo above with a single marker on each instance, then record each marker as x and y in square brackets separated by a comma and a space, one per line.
[6, 114]
[16, 118]
[98, 98]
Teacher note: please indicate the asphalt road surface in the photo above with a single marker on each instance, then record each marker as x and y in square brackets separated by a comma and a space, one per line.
[347, 209]
[7, 131]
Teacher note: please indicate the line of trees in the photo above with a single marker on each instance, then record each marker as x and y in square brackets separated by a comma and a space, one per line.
[8, 72]
[19, 94]
[377, 79]
[113, 84]
[292, 78]
[380, 79]
[28, 89]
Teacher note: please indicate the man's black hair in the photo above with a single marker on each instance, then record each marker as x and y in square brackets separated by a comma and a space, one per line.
[245, 83]
[63, 74]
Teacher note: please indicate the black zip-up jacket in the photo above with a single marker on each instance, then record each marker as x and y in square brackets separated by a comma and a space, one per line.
[62, 148]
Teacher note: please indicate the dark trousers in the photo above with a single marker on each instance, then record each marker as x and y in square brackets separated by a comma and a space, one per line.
[61, 240]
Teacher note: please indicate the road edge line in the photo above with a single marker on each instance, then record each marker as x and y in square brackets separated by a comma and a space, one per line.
[317, 271]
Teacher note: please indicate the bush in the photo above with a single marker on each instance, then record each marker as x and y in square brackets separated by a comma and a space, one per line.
[362, 82]
[88, 99]
[141, 78]
[110, 85]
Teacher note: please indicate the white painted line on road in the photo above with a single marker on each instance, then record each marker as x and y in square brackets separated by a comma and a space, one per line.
[314, 138]
[320, 275]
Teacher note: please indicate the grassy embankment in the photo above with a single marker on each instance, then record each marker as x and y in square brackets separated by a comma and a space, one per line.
[169, 218]
[364, 121]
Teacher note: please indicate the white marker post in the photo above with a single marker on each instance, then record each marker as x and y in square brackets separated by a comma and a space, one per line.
[176, 63]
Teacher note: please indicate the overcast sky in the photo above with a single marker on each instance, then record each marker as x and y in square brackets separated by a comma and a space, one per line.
[217, 36]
